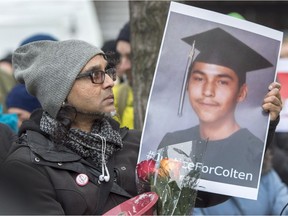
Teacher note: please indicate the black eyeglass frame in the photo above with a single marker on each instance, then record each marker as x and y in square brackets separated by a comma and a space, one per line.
[111, 72]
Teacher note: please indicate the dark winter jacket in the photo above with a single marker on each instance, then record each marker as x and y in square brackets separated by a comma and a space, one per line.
[42, 179]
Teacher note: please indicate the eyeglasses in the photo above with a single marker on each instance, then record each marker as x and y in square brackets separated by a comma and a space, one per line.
[98, 76]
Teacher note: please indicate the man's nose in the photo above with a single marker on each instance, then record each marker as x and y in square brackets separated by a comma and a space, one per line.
[209, 89]
[108, 82]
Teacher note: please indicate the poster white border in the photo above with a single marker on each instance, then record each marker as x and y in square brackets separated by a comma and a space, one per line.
[210, 16]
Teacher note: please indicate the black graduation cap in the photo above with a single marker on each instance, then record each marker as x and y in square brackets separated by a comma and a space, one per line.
[217, 46]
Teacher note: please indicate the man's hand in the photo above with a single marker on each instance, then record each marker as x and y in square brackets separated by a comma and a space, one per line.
[272, 102]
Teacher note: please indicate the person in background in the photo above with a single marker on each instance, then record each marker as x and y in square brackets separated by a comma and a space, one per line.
[7, 137]
[8, 119]
[280, 152]
[6, 64]
[38, 37]
[109, 46]
[280, 145]
[7, 81]
[272, 197]
[284, 47]
[123, 88]
[20, 102]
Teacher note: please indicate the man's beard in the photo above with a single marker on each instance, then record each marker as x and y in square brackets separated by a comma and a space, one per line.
[95, 115]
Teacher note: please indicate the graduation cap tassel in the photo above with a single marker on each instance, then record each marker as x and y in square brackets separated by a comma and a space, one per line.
[184, 84]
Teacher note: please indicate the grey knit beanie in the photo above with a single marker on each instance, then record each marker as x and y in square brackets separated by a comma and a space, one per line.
[49, 69]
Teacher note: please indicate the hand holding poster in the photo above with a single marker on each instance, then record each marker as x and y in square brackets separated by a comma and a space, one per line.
[212, 74]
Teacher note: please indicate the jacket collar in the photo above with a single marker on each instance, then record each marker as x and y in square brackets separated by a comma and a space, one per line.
[48, 150]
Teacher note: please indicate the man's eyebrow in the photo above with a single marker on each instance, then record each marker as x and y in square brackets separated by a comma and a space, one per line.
[95, 67]
[225, 76]
[218, 75]
[198, 72]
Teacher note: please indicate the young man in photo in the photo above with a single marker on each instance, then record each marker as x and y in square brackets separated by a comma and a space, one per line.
[216, 84]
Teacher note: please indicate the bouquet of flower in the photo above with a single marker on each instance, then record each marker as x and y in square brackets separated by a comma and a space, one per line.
[176, 192]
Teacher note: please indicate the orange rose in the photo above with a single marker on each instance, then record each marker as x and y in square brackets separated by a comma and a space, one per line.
[169, 168]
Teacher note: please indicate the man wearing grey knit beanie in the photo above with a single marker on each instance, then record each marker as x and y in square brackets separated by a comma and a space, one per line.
[71, 157]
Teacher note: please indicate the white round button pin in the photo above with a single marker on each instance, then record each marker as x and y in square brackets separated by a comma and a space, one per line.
[82, 179]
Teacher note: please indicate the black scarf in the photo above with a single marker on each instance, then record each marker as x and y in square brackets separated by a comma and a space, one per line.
[85, 144]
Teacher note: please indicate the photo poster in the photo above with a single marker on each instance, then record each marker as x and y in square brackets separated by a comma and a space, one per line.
[282, 78]
[161, 116]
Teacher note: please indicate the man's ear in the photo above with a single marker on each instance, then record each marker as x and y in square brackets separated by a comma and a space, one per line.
[242, 92]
